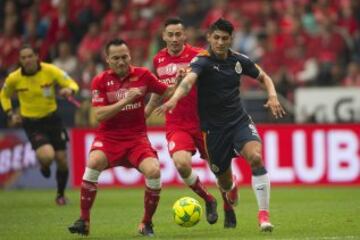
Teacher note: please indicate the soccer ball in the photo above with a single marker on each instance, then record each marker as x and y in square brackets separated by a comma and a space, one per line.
[187, 212]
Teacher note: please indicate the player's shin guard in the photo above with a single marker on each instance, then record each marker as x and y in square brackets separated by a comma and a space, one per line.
[261, 187]
[151, 201]
[194, 183]
[61, 179]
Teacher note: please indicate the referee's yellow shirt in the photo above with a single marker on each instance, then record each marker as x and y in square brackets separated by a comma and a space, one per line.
[36, 93]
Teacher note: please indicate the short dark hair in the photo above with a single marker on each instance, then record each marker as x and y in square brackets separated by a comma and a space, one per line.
[173, 21]
[29, 46]
[115, 42]
[222, 25]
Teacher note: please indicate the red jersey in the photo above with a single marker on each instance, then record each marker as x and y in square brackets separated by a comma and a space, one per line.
[108, 88]
[185, 114]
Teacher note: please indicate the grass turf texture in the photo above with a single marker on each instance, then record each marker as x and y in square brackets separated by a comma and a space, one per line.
[297, 213]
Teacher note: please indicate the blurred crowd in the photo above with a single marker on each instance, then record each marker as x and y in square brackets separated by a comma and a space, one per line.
[298, 42]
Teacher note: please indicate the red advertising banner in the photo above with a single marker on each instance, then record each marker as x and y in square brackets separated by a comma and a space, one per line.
[293, 154]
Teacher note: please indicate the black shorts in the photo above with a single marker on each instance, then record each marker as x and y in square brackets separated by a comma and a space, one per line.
[223, 145]
[46, 130]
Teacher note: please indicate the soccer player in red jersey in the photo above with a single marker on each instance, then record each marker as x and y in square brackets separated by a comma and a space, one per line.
[182, 125]
[121, 139]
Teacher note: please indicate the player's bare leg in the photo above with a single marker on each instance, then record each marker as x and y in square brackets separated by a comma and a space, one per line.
[95, 165]
[45, 155]
[62, 175]
[150, 167]
[227, 185]
[260, 182]
[182, 161]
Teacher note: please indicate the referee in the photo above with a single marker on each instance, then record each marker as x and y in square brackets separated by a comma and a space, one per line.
[35, 85]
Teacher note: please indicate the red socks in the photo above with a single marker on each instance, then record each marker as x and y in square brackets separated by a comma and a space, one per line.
[151, 201]
[87, 197]
[200, 190]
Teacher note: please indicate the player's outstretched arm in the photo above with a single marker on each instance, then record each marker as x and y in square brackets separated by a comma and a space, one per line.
[106, 112]
[272, 103]
[181, 91]
[154, 102]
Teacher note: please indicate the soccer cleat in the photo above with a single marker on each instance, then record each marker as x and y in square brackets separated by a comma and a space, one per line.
[146, 229]
[264, 222]
[81, 227]
[233, 196]
[45, 171]
[230, 219]
[211, 212]
[61, 200]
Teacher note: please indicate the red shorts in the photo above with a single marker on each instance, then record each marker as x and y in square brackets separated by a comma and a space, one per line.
[127, 153]
[186, 140]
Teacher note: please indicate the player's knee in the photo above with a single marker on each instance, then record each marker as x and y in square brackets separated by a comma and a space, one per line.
[182, 165]
[255, 160]
[182, 161]
[97, 161]
[225, 183]
[152, 171]
[45, 154]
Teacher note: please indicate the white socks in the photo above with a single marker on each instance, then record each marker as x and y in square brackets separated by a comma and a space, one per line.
[190, 180]
[261, 187]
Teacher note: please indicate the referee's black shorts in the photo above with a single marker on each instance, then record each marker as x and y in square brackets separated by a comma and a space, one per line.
[46, 130]
[223, 145]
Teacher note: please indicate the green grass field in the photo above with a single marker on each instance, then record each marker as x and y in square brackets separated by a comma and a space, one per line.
[297, 213]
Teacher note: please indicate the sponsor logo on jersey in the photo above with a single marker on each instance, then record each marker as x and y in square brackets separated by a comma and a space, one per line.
[132, 106]
[216, 67]
[238, 68]
[96, 96]
[170, 69]
[253, 129]
[214, 168]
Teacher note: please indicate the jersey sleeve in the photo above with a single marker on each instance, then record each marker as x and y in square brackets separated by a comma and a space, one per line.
[198, 64]
[98, 93]
[249, 67]
[155, 65]
[154, 85]
[6, 93]
[64, 80]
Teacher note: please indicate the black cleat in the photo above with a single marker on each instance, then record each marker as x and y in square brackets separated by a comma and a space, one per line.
[146, 229]
[80, 226]
[45, 171]
[230, 219]
[211, 212]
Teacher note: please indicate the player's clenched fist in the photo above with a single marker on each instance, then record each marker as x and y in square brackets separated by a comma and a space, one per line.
[134, 93]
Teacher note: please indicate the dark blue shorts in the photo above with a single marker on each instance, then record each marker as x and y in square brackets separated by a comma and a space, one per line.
[223, 145]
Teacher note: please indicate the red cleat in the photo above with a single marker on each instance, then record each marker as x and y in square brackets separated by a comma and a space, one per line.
[264, 222]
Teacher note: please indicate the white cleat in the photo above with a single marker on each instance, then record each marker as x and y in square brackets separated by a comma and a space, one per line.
[266, 227]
